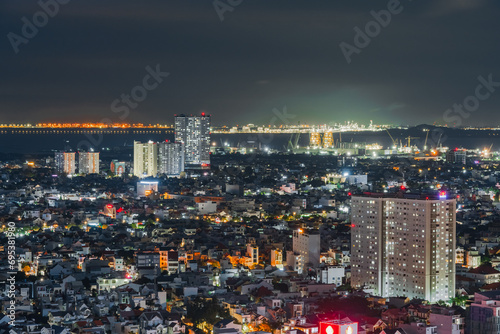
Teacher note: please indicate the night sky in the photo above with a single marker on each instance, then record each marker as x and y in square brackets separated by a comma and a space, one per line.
[263, 55]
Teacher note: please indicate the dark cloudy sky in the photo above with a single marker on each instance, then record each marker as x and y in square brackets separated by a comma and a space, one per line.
[263, 55]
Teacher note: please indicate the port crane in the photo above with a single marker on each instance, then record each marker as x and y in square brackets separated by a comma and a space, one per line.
[409, 138]
[394, 142]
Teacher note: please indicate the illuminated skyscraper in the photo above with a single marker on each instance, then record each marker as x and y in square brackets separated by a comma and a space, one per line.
[65, 162]
[404, 246]
[170, 158]
[145, 159]
[194, 133]
[88, 162]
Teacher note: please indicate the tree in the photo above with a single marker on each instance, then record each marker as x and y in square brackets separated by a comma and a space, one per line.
[459, 300]
[86, 283]
[486, 258]
[210, 312]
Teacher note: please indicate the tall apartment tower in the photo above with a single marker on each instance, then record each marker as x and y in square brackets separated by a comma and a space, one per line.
[194, 133]
[145, 159]
[404, 246]
[88, 162]
[65, 162]
[307, 245]
[170, 158]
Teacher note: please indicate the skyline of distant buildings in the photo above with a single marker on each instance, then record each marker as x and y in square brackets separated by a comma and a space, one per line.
[191, 149]
[326, 226]
[88, 162]
[43, 128]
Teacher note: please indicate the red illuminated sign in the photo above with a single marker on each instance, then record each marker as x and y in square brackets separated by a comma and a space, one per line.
[338, 327]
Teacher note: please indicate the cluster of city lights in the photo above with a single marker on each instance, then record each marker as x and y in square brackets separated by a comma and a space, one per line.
[87, 126]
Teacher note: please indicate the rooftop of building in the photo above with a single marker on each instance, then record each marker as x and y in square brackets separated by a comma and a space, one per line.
[484, 269]
[344, 321]
[411, 196]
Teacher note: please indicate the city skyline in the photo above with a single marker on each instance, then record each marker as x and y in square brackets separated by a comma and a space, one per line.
[241, 63]
[249, 167]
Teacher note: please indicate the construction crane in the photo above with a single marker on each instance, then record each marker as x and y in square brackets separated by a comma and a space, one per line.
[293, 142]
[410, 138]
[394, 142]
[426, 136]
[439, 140]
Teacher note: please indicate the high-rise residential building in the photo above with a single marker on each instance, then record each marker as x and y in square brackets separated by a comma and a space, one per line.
[194, 133]
[307, 244]
[145, 159]
[170, 158]
[65, 162]
[88, 162]
[404, 245]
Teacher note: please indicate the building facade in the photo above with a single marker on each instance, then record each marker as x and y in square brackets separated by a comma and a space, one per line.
[145, 159]
[88, 162]
[170, 158]
[194, 133]
[307, 245]
[404, 246]
[277, 258]
[65, 162]
[117, 167]
[484, 315]
[253, 254]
